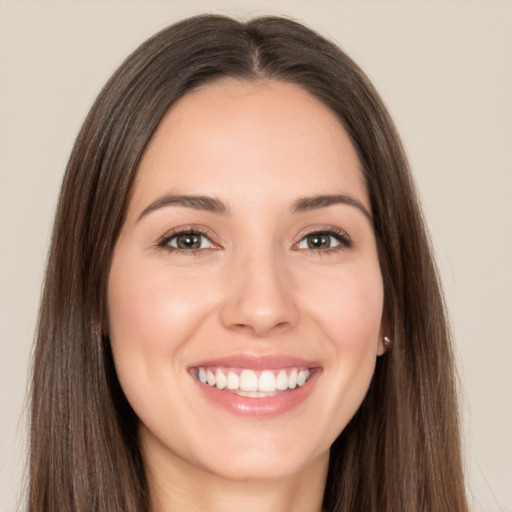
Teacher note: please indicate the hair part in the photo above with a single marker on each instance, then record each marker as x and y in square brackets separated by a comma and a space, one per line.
[401, 451]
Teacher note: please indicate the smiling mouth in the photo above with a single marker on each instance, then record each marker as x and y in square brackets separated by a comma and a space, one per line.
[250, 383]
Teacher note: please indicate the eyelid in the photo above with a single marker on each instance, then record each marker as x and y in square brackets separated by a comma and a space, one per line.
[340, 235]
[163, 241]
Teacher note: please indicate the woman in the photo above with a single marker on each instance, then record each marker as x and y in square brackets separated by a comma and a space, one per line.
[241, 308]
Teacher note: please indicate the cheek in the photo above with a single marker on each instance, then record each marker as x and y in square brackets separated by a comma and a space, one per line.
[349, 313]
[148, 299]
[349, 306]
[152, 314]
[356, 317]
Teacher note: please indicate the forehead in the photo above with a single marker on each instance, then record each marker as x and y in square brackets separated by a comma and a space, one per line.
[235, 137]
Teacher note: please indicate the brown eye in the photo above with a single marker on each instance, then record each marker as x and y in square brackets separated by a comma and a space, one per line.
[318, 241]
[188, 241]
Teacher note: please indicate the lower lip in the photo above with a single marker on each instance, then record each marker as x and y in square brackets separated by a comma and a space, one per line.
[260, 407]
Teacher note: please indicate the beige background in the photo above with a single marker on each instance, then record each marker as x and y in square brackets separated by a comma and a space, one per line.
[443, 67]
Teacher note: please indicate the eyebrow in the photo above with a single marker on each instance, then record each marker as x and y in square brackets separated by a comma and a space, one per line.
[213, 205]
[204, 203]
[304, 204]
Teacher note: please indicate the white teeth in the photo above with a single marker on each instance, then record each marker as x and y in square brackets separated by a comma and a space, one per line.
[292, 379]
[232, 381]
[267, 381]
[255, 394]
[220, 379]
[210, 378]
[282, 381]
[248, 381]
[301, 379]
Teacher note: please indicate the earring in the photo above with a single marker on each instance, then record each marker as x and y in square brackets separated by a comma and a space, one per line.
[387, 342]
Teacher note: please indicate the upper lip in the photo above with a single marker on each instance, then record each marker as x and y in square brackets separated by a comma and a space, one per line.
[255, 362]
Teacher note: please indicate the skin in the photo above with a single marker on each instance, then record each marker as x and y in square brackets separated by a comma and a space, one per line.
[256, 287]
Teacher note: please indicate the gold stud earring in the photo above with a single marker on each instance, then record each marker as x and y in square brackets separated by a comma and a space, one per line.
[387, 342]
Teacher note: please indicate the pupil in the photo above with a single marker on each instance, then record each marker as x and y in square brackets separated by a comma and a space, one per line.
[189, 241]
[318, 241]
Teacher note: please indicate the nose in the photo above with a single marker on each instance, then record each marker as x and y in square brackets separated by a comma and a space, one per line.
[259, 297]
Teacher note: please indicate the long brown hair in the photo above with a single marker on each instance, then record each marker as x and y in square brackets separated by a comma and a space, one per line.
[401, 451]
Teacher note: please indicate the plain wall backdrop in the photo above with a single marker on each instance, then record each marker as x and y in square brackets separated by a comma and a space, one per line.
[444, 68]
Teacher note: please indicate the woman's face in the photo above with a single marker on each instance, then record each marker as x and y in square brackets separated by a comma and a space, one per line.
[245, 294]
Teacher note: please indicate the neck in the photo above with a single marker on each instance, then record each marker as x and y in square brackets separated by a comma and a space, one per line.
[178, 486]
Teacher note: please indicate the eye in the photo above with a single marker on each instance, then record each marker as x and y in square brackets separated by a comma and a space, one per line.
[189, 241]
[324, 240]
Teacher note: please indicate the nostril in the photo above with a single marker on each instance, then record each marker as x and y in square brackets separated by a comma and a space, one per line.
[260, 329]
[241, 327]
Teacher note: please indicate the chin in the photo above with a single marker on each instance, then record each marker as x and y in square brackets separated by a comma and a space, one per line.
[261, 457]
[262, 467]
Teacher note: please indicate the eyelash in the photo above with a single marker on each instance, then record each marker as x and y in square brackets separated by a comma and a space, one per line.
[166, 240]
[340, 236]
[345, 242]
